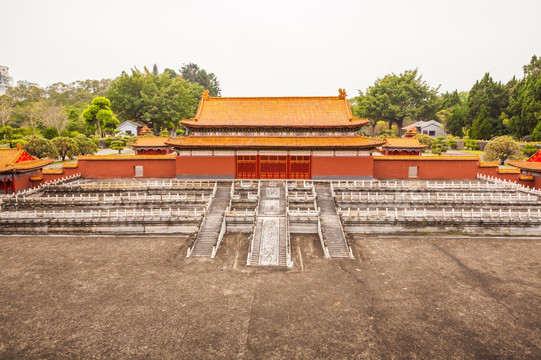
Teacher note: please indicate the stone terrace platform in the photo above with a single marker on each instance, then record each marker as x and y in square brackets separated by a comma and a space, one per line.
[270, 211]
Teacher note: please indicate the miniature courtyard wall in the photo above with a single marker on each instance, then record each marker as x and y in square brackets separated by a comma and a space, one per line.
[342, 167]
[492, 169]
[155, 166]
[205, 167]
[428, 167]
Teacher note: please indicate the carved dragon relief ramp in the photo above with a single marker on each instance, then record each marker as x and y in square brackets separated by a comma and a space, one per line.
[270, 239]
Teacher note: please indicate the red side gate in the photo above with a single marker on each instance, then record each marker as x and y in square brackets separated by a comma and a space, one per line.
[273, 167]
[247, 167]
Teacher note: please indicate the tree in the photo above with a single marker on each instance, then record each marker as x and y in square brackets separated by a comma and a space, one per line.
[118, 145]
[170, 72]
[525, 101]
[6, 108]
[394, 98]
[23, 92]
[157, 101]
[100, 116]
[501, 149]
[66, 147]
[487, 100]
[86, 146]
[38, 146]
[50, 133]
[194, 74]
[34, 114]
[452, 113]
[54, 115]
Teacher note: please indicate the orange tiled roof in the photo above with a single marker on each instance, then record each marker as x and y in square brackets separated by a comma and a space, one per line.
[403, 143]
[301, 112]
[13, 160]
[151, 141]
[275, 142]
[526, 177]
[525, 165]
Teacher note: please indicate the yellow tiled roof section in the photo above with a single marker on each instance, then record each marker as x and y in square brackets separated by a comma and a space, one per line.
[403, 143]
[126, 157]
[36, 177]
[304, 112]
[74, 165]
[8, 158]
[428, 158]
[525, 165]
[151, 141]
[486, 164]
[52, 171]
[525, 177]
[275, 142]
[508, 171]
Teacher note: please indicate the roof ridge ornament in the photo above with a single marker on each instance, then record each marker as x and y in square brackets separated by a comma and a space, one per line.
[342, 93]
[205, 95]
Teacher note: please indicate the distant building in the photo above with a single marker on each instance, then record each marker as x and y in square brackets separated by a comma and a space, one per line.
[431, 128]
[27, 83]
[131, 128]
[5, 80]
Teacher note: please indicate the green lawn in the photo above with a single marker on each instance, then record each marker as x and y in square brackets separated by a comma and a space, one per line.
[478, 152]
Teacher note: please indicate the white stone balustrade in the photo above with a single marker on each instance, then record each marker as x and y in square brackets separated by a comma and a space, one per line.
[395, 214]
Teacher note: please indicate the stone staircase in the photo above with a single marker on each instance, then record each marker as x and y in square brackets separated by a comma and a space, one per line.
[330, 221]
[211, 225]
[269, 247]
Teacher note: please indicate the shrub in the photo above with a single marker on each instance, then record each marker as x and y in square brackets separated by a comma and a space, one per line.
[86, 146]
[66, 147]
[471, 144]
[425, 139]
[501, 149]
[38, 146]
[439, 145]
[50, 133]
[118, 145]
[529, 149]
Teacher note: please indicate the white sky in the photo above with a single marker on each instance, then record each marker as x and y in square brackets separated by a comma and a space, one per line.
[272, 48]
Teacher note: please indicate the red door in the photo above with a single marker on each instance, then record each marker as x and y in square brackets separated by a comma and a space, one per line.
[299, 167]
[272, 167]
[246, 167]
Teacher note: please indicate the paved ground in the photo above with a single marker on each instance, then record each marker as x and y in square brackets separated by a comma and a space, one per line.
[418, 298]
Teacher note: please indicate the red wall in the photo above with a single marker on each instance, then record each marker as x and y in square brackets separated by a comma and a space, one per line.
[107, 168]
[493, 171]
[221, 166]
[335, 166]
[428, 169]
[22, 183]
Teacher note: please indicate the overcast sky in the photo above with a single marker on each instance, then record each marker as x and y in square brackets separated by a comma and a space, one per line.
[272, 48]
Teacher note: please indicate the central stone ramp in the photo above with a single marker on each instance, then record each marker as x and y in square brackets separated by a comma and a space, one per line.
[211, 225]
[333, 235]
[269, 245]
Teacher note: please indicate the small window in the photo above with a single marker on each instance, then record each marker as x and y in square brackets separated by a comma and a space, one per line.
[138, 171]
[432, 133]
[412, 171]
[425, 132]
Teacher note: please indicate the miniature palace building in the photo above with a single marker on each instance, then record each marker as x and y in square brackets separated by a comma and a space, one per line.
[274, 138]
[18, 168]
